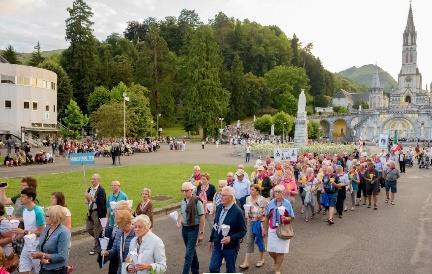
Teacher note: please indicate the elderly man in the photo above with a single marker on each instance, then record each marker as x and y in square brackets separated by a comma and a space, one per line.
[226, 247]
[230, 178]
[391, 174]
[96, 201]
[116, 196]
[192, 222]
[242, 187]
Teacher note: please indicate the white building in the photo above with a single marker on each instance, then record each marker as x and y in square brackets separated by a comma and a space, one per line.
[28, 101]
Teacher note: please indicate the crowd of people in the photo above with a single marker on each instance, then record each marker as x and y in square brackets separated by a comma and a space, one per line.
[250, 211]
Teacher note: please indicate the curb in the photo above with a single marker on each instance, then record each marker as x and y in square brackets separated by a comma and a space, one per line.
[158, 212]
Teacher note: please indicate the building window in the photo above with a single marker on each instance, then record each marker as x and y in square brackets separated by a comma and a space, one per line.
[34, 105]
[53, 86]
[8, 104]
[26, 105]
[53, 108]
[47, 108]
[7, 79]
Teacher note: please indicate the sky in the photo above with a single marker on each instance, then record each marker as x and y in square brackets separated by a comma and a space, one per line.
[344, 33]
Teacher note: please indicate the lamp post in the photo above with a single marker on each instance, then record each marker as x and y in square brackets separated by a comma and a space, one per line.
[283, 132]
[220, 130]
[157, 125]
[125, 98]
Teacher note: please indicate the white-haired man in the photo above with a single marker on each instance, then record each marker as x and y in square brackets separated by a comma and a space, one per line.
[226, 247]
[192, 222]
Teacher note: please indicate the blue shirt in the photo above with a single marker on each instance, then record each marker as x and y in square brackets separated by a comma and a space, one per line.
[114, 198]
[56, 245]
[242, 188]
[120, 248]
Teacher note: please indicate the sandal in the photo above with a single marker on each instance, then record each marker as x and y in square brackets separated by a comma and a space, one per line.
[330, 221]
[386, 201]
[244, 267]
[392, 202]
[259, 263]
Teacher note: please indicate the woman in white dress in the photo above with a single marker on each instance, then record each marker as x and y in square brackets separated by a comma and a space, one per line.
[277, 247]
[146, 250]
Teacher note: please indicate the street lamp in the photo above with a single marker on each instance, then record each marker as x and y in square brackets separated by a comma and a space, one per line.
[283, 132]
[220, 131]
[125, 98]
[157, 125]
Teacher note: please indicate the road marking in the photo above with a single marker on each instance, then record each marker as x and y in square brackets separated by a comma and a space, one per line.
[421, 258]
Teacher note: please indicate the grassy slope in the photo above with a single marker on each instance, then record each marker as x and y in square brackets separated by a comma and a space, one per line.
[25, 57]
[163, 179]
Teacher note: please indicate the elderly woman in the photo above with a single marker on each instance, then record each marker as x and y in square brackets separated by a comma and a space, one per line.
[275, 246]
[146, 250]
[290, 185]
[310, 188]
[217, 197]
[122, 239]
[145, 206]
[255, 215]
[205, 191]
[196, 176]
[53, 247]
[58, 198]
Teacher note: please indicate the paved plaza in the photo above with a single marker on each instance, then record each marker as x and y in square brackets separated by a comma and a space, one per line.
[393, 239]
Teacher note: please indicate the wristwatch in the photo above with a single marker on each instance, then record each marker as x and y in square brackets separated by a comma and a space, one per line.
[201, 232]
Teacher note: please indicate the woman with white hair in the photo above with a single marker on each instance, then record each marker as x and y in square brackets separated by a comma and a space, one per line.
[146, 250]
[277, 247]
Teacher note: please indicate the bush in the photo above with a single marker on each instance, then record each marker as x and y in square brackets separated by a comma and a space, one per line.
[263, 123]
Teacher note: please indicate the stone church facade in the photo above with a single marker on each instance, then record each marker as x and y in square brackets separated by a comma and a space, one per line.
[407, 110]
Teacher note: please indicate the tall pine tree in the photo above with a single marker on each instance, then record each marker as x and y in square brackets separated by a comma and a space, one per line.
[10, 55]
[36, 57]
[237, 89]
[205, 99]
[79, 60]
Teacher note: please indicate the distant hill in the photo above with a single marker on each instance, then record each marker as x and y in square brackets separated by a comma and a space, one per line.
[24, 58]
[363, 76]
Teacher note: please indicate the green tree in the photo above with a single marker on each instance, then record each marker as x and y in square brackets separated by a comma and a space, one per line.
[256, 94]
[80, 59]
[364, 105]
[287, 79]
[205, 99]
[36, 57]
[314, 130]
[340, 110]
[156, 69]
[283, 123]
[10, 54]
[74, 120]
[64, 86]
[100, 96]
[264, 123]
[286, 102]
[122, 70]
[108, 120]
[295, 51]
[237, 89]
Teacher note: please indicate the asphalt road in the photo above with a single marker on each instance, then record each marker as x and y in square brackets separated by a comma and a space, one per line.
[393, 239]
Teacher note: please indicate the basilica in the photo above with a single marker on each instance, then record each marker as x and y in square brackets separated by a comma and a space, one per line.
[406, 111]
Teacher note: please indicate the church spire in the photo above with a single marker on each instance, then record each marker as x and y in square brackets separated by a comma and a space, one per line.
[376, 83]
[410, 34]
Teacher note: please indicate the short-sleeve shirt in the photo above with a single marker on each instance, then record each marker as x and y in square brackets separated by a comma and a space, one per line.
[114, 198]
[199, 211]
[33, 218]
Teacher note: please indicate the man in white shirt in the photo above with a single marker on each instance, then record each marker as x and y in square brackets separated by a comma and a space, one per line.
[34, 223]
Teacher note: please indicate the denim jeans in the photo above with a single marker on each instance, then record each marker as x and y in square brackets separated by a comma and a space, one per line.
[230, 256]
[190, 236]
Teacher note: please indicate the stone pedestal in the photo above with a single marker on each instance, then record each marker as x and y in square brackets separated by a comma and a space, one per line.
[300, 132]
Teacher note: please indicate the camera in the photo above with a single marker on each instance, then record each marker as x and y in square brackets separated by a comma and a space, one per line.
[3, 184]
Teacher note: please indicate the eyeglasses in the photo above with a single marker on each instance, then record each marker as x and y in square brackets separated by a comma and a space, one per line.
[277, 191]
[184, 190]
[46, 215]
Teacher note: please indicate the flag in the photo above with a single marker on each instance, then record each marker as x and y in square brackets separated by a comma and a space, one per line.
[396, 147]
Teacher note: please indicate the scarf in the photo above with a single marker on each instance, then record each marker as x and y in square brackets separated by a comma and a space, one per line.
[257, 231]
[276, 216]
[191, 211]
[203, 196]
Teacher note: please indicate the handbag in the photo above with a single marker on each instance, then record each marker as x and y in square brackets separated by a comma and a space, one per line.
[285, 231]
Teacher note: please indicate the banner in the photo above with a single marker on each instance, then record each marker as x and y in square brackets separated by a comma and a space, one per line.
[82, 159]
[285, 154]
[383, 141]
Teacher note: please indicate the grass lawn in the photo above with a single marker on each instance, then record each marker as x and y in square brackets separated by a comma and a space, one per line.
[163, 179]
[178, 132]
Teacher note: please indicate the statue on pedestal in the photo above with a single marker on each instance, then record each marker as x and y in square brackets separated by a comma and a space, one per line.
[300, 133]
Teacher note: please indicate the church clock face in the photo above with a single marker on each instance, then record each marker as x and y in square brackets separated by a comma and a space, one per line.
[408, 79]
